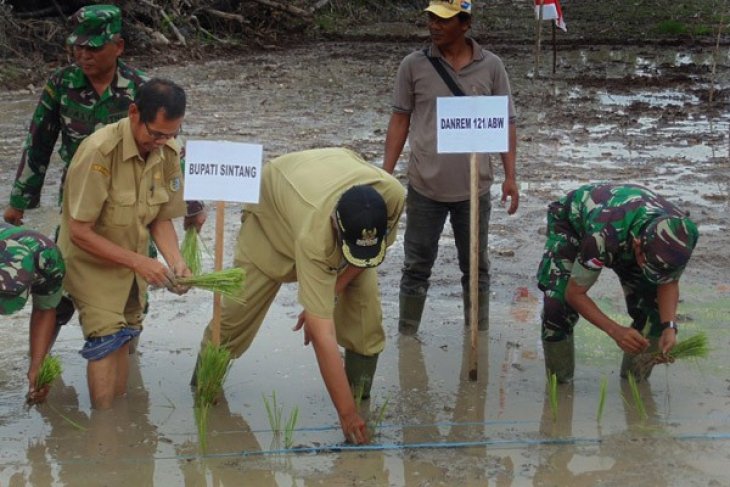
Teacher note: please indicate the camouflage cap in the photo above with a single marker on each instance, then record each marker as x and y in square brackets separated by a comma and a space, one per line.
[30, 263]
[667, 244]
[16, 275]
[95, 25]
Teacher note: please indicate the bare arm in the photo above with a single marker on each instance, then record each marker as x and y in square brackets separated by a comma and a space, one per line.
[667, 299]
[321, 333]
[151, 270]
[165, 237]
[627, 338]
[509, 186]
[42, 330]
[395, 139]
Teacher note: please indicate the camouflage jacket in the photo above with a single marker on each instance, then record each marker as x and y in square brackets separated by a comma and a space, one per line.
[71, 106]
[607, 217]
[29, 263]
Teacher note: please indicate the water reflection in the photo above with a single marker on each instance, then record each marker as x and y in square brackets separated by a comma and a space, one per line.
[102, 442]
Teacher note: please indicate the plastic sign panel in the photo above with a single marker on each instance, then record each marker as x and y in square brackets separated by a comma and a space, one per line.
[220, 170]
[472, 124]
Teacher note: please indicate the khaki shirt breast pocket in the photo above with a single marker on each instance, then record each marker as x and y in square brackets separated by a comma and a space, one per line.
[120, 210]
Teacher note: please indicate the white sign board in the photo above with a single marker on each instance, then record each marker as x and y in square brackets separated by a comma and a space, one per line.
[472, 124]
[219, 170]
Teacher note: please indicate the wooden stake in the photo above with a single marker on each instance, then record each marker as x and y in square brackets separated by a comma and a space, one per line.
[474, 264]
[538, 29]
[219, 225]
[555, 50]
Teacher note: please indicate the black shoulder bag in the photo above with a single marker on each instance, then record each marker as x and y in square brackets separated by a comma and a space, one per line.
[444, 75]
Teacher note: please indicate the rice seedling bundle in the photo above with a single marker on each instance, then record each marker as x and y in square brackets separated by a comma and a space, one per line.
[636, 394]
[212, 369]
[228, 282]
[693, 347]
[50, 370]
[191, 251]
[211, 373]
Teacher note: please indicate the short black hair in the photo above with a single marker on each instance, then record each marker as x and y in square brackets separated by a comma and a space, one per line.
[160, 94]
[464, 17]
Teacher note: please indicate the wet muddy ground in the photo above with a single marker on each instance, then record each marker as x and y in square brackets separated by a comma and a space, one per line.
[624, 114]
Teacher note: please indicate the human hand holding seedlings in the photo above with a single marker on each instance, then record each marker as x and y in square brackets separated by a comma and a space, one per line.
[36, 396]
[666, 343]
[355, 429]
[154, 272]
[629, 339]
[179, 269]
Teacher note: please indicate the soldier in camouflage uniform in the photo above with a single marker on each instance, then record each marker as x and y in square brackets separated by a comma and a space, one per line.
[31, 264]
[645, 239]
[77, 100]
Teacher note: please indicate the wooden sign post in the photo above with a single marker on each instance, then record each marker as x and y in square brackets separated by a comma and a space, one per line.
[473, 124]
[222, 171]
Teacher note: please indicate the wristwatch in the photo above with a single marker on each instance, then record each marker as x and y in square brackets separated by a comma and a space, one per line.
[670, 324]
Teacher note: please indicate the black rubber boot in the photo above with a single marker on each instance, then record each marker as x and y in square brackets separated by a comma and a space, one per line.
[483, 323]
[360, 370]
[641, 364]
[560, 359]
[411, 309]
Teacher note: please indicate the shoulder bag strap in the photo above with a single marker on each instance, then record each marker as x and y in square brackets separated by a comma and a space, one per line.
[444, 74]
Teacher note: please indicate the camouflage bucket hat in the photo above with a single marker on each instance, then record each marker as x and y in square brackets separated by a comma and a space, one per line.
[16, 275]
[667, 244]
[95, 25]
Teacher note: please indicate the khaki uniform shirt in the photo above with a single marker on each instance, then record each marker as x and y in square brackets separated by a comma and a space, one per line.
[299, 193]
[445, 177]
[108, 183]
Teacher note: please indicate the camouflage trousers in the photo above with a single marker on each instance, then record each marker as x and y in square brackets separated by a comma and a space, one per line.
[561, 249]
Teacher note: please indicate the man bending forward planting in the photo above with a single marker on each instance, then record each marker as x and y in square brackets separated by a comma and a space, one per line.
[324, 220]
[123, 185]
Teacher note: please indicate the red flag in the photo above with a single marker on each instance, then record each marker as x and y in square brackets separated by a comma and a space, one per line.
[551, 11]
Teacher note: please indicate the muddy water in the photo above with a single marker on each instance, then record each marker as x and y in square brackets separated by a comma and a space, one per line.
[623, 115]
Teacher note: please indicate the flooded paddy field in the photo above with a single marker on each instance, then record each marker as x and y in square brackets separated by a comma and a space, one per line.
[624, 114]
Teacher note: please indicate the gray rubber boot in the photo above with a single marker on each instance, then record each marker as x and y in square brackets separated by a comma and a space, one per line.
[483, 323]
[560, 359]
[641, 364]
[360, 370]
[411, 309]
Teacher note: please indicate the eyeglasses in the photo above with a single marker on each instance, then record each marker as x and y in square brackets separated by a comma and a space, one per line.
[160, 135]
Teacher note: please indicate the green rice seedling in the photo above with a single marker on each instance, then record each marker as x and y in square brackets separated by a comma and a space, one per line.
[211, 373]
[274, 412]
[228, 282]
[289, 428]
[359, 391]
[50, 370]
[553, 391]
[375, 424]
[201, 421]
[68, 420]
[191, 252]
[601, 397]
[636, 394]
[696, 346]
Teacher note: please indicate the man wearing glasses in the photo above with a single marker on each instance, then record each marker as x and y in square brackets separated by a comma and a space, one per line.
[77, 100]
[123, 186]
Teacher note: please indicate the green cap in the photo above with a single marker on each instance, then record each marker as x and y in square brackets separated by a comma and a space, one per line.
[667, 244]
[95, 25]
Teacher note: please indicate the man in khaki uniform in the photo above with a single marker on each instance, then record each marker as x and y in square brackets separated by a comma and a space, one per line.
[124, 185]
[324, 220]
